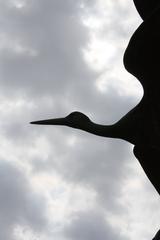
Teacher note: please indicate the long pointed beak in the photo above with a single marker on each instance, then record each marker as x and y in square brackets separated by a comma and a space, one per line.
[55, 121]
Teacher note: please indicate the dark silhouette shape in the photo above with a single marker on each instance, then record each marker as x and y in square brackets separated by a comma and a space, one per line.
[146, 7]
[140, 126]
[157, 236]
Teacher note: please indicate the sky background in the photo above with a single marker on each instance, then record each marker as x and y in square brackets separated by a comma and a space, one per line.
[58, 56]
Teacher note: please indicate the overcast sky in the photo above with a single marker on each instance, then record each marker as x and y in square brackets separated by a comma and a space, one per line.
[58, 56]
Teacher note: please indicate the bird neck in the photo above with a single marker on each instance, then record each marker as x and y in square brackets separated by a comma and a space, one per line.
[110, 131]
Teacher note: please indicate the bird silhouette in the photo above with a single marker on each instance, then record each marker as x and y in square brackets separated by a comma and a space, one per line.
[141, 125]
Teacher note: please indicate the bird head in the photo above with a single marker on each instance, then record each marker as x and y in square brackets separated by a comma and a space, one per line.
[74, 120]
[77, 120]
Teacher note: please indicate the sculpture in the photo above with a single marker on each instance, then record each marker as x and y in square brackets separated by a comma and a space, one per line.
[140, 126]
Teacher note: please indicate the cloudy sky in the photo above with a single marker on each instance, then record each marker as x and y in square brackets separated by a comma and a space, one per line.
[58, 56]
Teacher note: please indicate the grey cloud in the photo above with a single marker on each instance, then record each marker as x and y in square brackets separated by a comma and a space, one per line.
[98, 164]
[58, 38]
[91, 225]
[94, 162]
[19, 205]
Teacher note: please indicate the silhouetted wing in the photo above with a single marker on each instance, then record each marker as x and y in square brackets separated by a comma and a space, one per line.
[141, 57]
[145, 7]
[149, 158]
